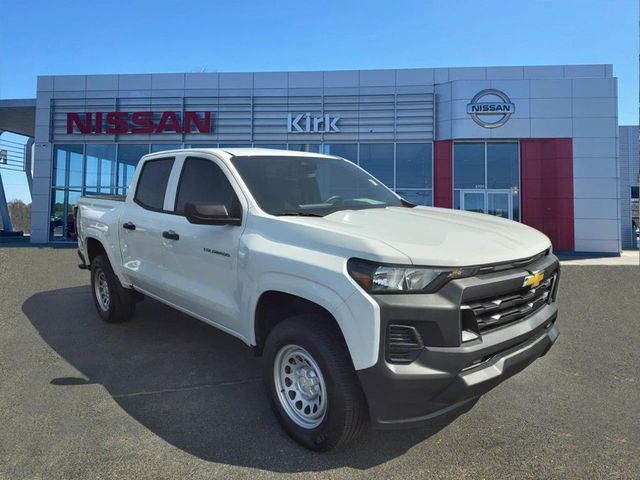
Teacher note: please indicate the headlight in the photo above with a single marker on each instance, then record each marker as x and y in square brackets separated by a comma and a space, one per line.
[380, 278]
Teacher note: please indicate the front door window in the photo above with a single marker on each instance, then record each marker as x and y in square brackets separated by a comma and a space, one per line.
[492, 202]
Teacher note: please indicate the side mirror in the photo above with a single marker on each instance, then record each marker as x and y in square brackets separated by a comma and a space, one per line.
[209, 214]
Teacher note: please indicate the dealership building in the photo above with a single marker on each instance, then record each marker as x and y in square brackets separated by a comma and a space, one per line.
[536, 144]
[629, 155]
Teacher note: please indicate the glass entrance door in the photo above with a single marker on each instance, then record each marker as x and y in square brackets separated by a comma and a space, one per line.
[492, 202]
[499, 203]
[492, 171]
[473, 200]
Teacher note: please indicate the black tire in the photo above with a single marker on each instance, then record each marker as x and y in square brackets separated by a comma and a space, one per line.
[121, 304]
[346, 414]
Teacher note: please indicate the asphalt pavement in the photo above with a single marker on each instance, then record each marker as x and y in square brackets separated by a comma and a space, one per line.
[165, 396]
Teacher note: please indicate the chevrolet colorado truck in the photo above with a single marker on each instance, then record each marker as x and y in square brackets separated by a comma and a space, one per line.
[366, 308]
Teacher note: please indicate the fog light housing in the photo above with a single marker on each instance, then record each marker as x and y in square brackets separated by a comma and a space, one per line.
[404, 344]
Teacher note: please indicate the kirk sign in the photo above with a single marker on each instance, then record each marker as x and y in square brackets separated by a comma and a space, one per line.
[123, 123]
[305, 123]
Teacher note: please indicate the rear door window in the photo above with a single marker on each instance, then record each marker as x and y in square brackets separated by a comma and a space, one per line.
[152, 184]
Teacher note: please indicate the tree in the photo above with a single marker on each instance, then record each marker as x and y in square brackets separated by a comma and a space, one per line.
[20, 214]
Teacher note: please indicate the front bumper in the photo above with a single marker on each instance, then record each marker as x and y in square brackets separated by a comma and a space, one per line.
[447, 372]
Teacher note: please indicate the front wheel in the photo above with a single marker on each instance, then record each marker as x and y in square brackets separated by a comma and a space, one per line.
[313, 388]
[113, 302]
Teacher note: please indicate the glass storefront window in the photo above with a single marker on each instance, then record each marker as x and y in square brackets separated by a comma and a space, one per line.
[62, 223]
[99, 176]
[128, 158]
[68, 172]
[75, 169]
[377, 159]
[456, 199]
[348, 151]
[468, 165]
[68, 165]
[159, 147]
[305, 147]
[414, 165]
[72, 201]
[109, 169]
[108, 173]
[276, 146]
[91, 177]
[502, 165]
[57, 215]
[515, 195]
[60, 167]
[418, 197]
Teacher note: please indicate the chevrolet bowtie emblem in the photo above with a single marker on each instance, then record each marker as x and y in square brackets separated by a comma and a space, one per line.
[533, 280]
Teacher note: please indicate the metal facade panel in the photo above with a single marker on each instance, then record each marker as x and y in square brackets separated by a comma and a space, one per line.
[264, 117]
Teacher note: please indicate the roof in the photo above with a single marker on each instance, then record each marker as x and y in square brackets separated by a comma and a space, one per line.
[247, 152]
[269, 152]
[18, 116]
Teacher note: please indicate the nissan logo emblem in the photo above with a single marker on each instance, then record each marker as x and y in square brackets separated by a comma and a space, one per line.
[494, 111]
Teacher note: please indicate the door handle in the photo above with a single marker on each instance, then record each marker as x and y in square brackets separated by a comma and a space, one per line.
[128, 226]
[171, 235]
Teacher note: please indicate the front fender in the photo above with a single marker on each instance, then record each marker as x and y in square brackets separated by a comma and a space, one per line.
[358, 317]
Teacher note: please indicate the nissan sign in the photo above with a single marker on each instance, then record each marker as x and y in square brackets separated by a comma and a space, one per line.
[490, 108]
[122, 123]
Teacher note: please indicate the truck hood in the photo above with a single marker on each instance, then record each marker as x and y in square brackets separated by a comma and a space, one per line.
[439, 236]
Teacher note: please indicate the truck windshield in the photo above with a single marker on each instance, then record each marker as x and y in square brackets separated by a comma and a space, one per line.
[309, 186]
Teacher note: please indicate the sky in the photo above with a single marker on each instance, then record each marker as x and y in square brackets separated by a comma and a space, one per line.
[44, 37]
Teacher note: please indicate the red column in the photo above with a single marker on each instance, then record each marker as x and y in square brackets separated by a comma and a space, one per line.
[546, 168]
[443, 173]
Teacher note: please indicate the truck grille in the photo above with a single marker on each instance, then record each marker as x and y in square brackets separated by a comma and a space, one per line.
[403, 344]
[501, 310]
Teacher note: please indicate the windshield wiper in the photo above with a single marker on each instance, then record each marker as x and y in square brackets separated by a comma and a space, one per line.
[298, 214]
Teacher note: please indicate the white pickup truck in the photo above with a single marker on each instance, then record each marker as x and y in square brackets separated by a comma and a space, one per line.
[366, 308]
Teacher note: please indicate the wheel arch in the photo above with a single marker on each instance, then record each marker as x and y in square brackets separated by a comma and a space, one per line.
[274, 306]
[94, 247]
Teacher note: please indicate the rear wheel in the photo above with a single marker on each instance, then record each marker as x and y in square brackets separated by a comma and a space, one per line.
[114, 303]
[312, 384]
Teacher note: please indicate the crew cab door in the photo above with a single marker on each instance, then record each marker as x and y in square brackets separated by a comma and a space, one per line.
[141, 227]
[205, 257]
